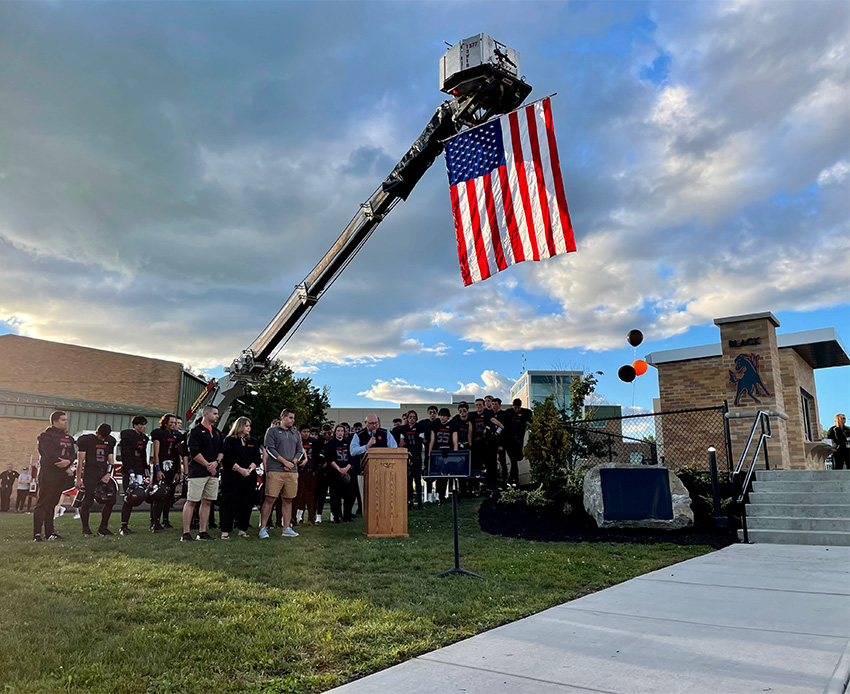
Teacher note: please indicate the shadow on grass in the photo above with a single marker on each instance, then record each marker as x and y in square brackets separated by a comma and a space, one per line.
[147, 613]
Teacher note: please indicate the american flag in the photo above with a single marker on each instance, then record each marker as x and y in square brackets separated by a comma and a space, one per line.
[507, 193]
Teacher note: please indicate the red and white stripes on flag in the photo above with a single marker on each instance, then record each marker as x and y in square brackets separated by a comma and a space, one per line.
[507, 193]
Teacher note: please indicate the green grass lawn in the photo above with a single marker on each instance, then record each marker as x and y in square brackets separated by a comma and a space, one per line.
[150, 614]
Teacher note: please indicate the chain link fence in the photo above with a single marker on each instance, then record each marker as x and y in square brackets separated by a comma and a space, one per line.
[675, 439]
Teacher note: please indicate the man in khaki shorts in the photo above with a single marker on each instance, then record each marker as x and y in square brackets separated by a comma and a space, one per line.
[284, 448]
[205, 454]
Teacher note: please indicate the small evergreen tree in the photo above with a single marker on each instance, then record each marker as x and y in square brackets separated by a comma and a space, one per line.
[547, 449]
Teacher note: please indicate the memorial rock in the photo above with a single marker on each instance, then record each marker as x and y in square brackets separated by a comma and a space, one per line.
[636, 496]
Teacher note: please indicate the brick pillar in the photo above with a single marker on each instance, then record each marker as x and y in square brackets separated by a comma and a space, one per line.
[750, 353]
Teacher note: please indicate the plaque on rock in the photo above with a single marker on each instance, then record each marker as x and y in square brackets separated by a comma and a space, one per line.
[625, 496]
[635, 494]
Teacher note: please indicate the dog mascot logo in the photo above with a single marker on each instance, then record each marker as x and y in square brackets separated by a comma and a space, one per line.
[749, 381]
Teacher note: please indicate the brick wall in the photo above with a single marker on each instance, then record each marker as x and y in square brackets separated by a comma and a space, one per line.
[18, 438]
[52, 368]
[685, 385]
[769, 369]
[797, 374]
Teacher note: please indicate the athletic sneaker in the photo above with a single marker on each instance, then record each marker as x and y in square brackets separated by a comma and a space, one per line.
[167, 525]
[187, 537]
[204, 536]
[289, 532]
[157, 528]
[87, 532]
[36, 538]
[125, 531]
[54, 536]
[104, 532]
[264, 533]
[318, 519]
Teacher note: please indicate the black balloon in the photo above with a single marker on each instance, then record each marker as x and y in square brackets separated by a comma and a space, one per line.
[635, 337]
[627, 373]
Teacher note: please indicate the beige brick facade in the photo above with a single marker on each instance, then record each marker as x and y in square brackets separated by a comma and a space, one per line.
[52, 368]
[684, 385]
[55, 370]
[18, 437]
[748, 354]
[766, 353]
[797, 375]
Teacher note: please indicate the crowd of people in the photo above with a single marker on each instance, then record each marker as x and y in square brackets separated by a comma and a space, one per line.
[289, 473]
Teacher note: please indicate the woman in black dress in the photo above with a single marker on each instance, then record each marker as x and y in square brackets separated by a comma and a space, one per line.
[242, 457]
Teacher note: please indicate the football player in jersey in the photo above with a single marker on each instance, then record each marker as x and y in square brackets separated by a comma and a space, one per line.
[338, 456]
[56, 453]
[518, 420]
[483, 452]
[134, 464]
[323, 478]
[425, 430]
[463, 427]
[304, 506]
[95, 458]
[443, 438]
[167, 458]
[412, 439]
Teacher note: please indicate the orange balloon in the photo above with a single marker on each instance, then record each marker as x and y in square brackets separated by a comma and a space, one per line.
[640, 367]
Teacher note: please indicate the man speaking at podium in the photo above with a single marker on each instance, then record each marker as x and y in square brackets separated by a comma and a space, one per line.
[371, 437]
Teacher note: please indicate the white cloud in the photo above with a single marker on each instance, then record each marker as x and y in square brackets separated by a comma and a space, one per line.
[398, 390]
[835, 174]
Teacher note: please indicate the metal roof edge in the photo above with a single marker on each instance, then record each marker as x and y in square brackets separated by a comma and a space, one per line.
[14, 397]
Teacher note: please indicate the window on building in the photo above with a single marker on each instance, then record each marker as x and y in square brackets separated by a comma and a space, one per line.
[808, 415]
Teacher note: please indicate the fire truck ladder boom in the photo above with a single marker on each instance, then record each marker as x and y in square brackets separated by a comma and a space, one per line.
[477, 95]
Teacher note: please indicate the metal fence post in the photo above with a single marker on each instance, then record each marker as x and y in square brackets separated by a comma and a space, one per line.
[719, 520]
[728, 431]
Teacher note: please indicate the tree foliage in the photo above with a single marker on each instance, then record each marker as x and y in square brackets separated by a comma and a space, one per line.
[583, 442]
[548, 447]
[279, 389]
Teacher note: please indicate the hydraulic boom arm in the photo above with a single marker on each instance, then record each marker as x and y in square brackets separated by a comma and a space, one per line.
[478, 93]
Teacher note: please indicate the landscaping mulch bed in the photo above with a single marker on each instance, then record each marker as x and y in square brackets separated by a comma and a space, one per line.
[550, 524]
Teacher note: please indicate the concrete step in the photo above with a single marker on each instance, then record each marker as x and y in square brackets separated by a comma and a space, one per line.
[789, 497]
[799, 510]
[777, 523]
[798, 537]
[800, 475]
[834, 486]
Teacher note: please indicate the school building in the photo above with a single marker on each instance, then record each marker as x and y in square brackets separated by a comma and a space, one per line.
[91, 385]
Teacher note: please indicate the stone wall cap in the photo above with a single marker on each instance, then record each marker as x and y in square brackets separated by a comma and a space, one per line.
[748, 317]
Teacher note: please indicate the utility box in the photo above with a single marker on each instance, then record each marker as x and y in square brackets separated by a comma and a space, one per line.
[470, 59]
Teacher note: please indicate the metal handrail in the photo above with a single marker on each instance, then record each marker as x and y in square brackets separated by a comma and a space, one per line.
[763, 419]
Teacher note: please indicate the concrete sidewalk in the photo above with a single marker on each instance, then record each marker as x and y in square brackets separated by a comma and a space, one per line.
[748, 618]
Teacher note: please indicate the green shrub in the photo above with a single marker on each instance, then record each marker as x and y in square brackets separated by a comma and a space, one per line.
[512, 495]
[534, 497]
[537, 497]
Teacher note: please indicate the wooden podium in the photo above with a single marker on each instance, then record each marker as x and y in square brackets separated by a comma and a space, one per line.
[385, 492]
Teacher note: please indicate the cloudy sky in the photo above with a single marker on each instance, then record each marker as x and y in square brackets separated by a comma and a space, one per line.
[169, 171]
